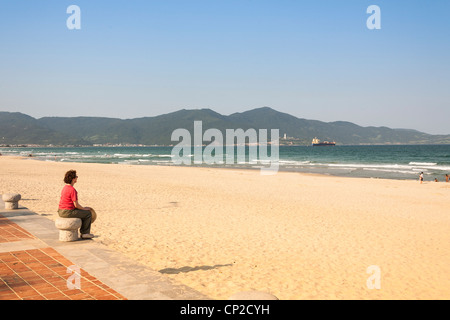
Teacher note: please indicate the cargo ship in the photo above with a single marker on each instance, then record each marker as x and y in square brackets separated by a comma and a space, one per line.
[317, 143]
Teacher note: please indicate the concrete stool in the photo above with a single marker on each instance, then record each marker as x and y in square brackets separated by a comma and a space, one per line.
[252, 295]
[11, 200]
[68, 228]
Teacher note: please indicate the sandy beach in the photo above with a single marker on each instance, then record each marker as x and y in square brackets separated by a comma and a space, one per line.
[223, 231]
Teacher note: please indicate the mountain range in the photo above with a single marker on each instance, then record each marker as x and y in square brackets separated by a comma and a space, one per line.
[18, 128]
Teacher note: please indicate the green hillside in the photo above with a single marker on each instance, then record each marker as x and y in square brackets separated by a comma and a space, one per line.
[18, 128]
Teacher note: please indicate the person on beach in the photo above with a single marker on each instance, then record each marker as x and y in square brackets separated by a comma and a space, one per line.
[446, 178]
[421, 177]
[69, 207]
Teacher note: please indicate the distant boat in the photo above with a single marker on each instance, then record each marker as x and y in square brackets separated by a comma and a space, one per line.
[317, 143]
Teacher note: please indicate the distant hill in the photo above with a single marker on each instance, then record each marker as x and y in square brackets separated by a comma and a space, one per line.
[18, 128]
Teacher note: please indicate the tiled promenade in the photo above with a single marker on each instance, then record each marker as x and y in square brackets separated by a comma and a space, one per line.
[34, 265]
[41, 274]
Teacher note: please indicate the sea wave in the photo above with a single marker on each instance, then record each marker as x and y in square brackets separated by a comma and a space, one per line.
[169, 155]
[442, 168]
[423, 163]
[293, 162]
[392, 171]
[367, 165]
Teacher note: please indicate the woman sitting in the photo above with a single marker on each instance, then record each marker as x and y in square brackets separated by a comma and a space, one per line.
[70, 208]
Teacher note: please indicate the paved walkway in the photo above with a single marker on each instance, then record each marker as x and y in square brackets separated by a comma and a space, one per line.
[34, 265]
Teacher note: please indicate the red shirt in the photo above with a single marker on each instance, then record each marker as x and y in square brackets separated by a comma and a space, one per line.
[68, 196]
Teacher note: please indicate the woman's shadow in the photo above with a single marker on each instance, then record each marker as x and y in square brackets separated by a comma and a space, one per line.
[190, 269]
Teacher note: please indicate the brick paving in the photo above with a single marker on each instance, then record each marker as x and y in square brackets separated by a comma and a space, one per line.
[35, 265]
[44, 274]
[10, 231]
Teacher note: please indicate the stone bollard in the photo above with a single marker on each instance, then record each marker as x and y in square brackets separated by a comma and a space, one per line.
[252, 295]
[68, 228]
[11, 200]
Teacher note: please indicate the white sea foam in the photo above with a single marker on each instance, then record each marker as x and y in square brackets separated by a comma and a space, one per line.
[442, 168]
[422, 163]
[362, 165]
[129, 162]
[293, 162]
[169, 156]
[393, 171]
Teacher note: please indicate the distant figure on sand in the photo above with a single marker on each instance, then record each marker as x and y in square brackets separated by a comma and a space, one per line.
[421, 177]
[436, 180]
[70, 208]
[446, 178]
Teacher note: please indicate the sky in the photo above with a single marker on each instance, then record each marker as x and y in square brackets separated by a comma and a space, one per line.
[312, 59]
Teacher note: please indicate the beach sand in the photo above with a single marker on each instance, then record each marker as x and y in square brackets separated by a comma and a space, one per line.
[223, 231]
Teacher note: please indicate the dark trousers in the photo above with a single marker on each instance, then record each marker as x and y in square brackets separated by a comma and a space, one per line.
[84, 215]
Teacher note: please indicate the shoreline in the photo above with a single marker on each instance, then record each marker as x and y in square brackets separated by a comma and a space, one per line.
[204, 145]
[295, 235]
[326, 174]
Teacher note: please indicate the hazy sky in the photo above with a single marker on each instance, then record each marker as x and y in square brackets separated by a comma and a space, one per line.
[313, 59]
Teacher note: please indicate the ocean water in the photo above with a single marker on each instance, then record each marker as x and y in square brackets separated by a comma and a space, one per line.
[388, 162]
